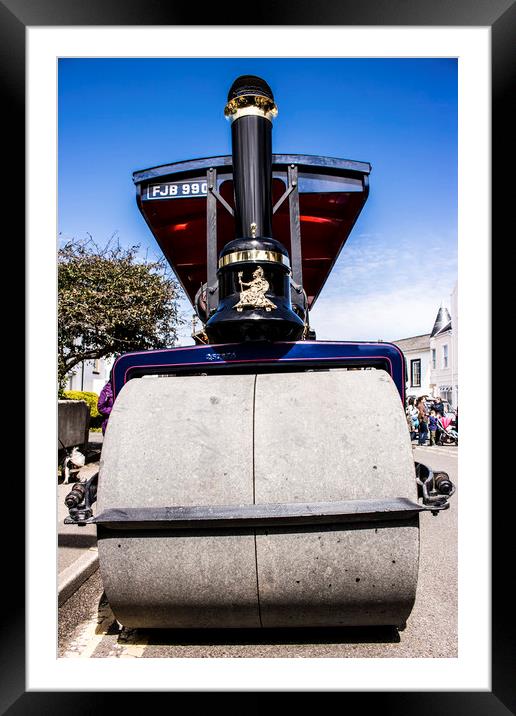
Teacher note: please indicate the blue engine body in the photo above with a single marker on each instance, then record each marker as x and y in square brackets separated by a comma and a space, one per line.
[261, 357]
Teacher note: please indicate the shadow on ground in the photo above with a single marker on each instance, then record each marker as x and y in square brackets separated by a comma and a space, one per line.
[77, 540]
[313, 635]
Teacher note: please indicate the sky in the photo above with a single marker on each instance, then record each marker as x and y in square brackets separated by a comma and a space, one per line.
[116, 116]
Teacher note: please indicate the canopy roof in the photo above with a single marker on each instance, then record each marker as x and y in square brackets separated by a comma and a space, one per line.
[172, 199]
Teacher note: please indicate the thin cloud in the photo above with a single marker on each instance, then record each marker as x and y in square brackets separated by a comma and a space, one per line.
[398, 313]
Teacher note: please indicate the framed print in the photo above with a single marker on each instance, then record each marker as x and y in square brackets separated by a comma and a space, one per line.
[38, 34]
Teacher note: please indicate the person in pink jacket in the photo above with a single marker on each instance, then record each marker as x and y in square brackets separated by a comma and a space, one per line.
[105, 404]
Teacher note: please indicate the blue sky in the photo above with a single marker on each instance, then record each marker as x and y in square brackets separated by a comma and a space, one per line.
[119, 115]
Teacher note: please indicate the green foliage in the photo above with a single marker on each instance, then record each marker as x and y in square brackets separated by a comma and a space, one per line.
[90, 398]
[111, 301]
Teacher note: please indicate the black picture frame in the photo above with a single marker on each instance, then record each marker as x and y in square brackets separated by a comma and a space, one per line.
[500, 16]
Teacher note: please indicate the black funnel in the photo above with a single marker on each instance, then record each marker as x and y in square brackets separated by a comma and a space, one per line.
[254, 268]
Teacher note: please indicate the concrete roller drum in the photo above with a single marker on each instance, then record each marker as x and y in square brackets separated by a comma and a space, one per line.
[306, 437]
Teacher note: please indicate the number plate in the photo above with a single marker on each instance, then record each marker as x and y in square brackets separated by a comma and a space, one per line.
[176, 190]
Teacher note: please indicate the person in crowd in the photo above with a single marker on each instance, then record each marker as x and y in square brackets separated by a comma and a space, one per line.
[412, 418]
[439, 406]
[408, 417]
[423, 424]
[432, 426]
[409, 423]
[105, 404]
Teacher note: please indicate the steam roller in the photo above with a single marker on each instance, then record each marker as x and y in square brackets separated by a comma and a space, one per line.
[259, 478]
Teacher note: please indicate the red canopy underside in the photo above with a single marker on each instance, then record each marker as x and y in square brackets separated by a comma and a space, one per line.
[179, 226]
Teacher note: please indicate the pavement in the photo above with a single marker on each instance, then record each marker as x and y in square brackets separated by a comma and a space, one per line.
[77, 554]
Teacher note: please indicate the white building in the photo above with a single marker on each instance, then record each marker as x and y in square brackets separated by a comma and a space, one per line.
[432, 359]
[444, 376]
[90, 375]
[417, 353]
[455, 346]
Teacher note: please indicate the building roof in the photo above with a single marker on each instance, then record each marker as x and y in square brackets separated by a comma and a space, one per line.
[416, 343]
[445, 328]
[442, 321]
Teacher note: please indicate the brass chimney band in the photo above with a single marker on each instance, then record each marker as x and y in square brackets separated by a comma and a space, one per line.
[254, 256]
[251, 104]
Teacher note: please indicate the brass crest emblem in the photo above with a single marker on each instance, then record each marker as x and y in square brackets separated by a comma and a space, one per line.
[252, 293]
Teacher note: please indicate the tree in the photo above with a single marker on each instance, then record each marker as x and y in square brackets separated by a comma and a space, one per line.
[111, 301]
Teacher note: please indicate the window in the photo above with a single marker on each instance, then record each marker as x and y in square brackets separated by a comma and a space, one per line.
[415, 373]
[434, 359]
[445, 356]
[96, 366]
